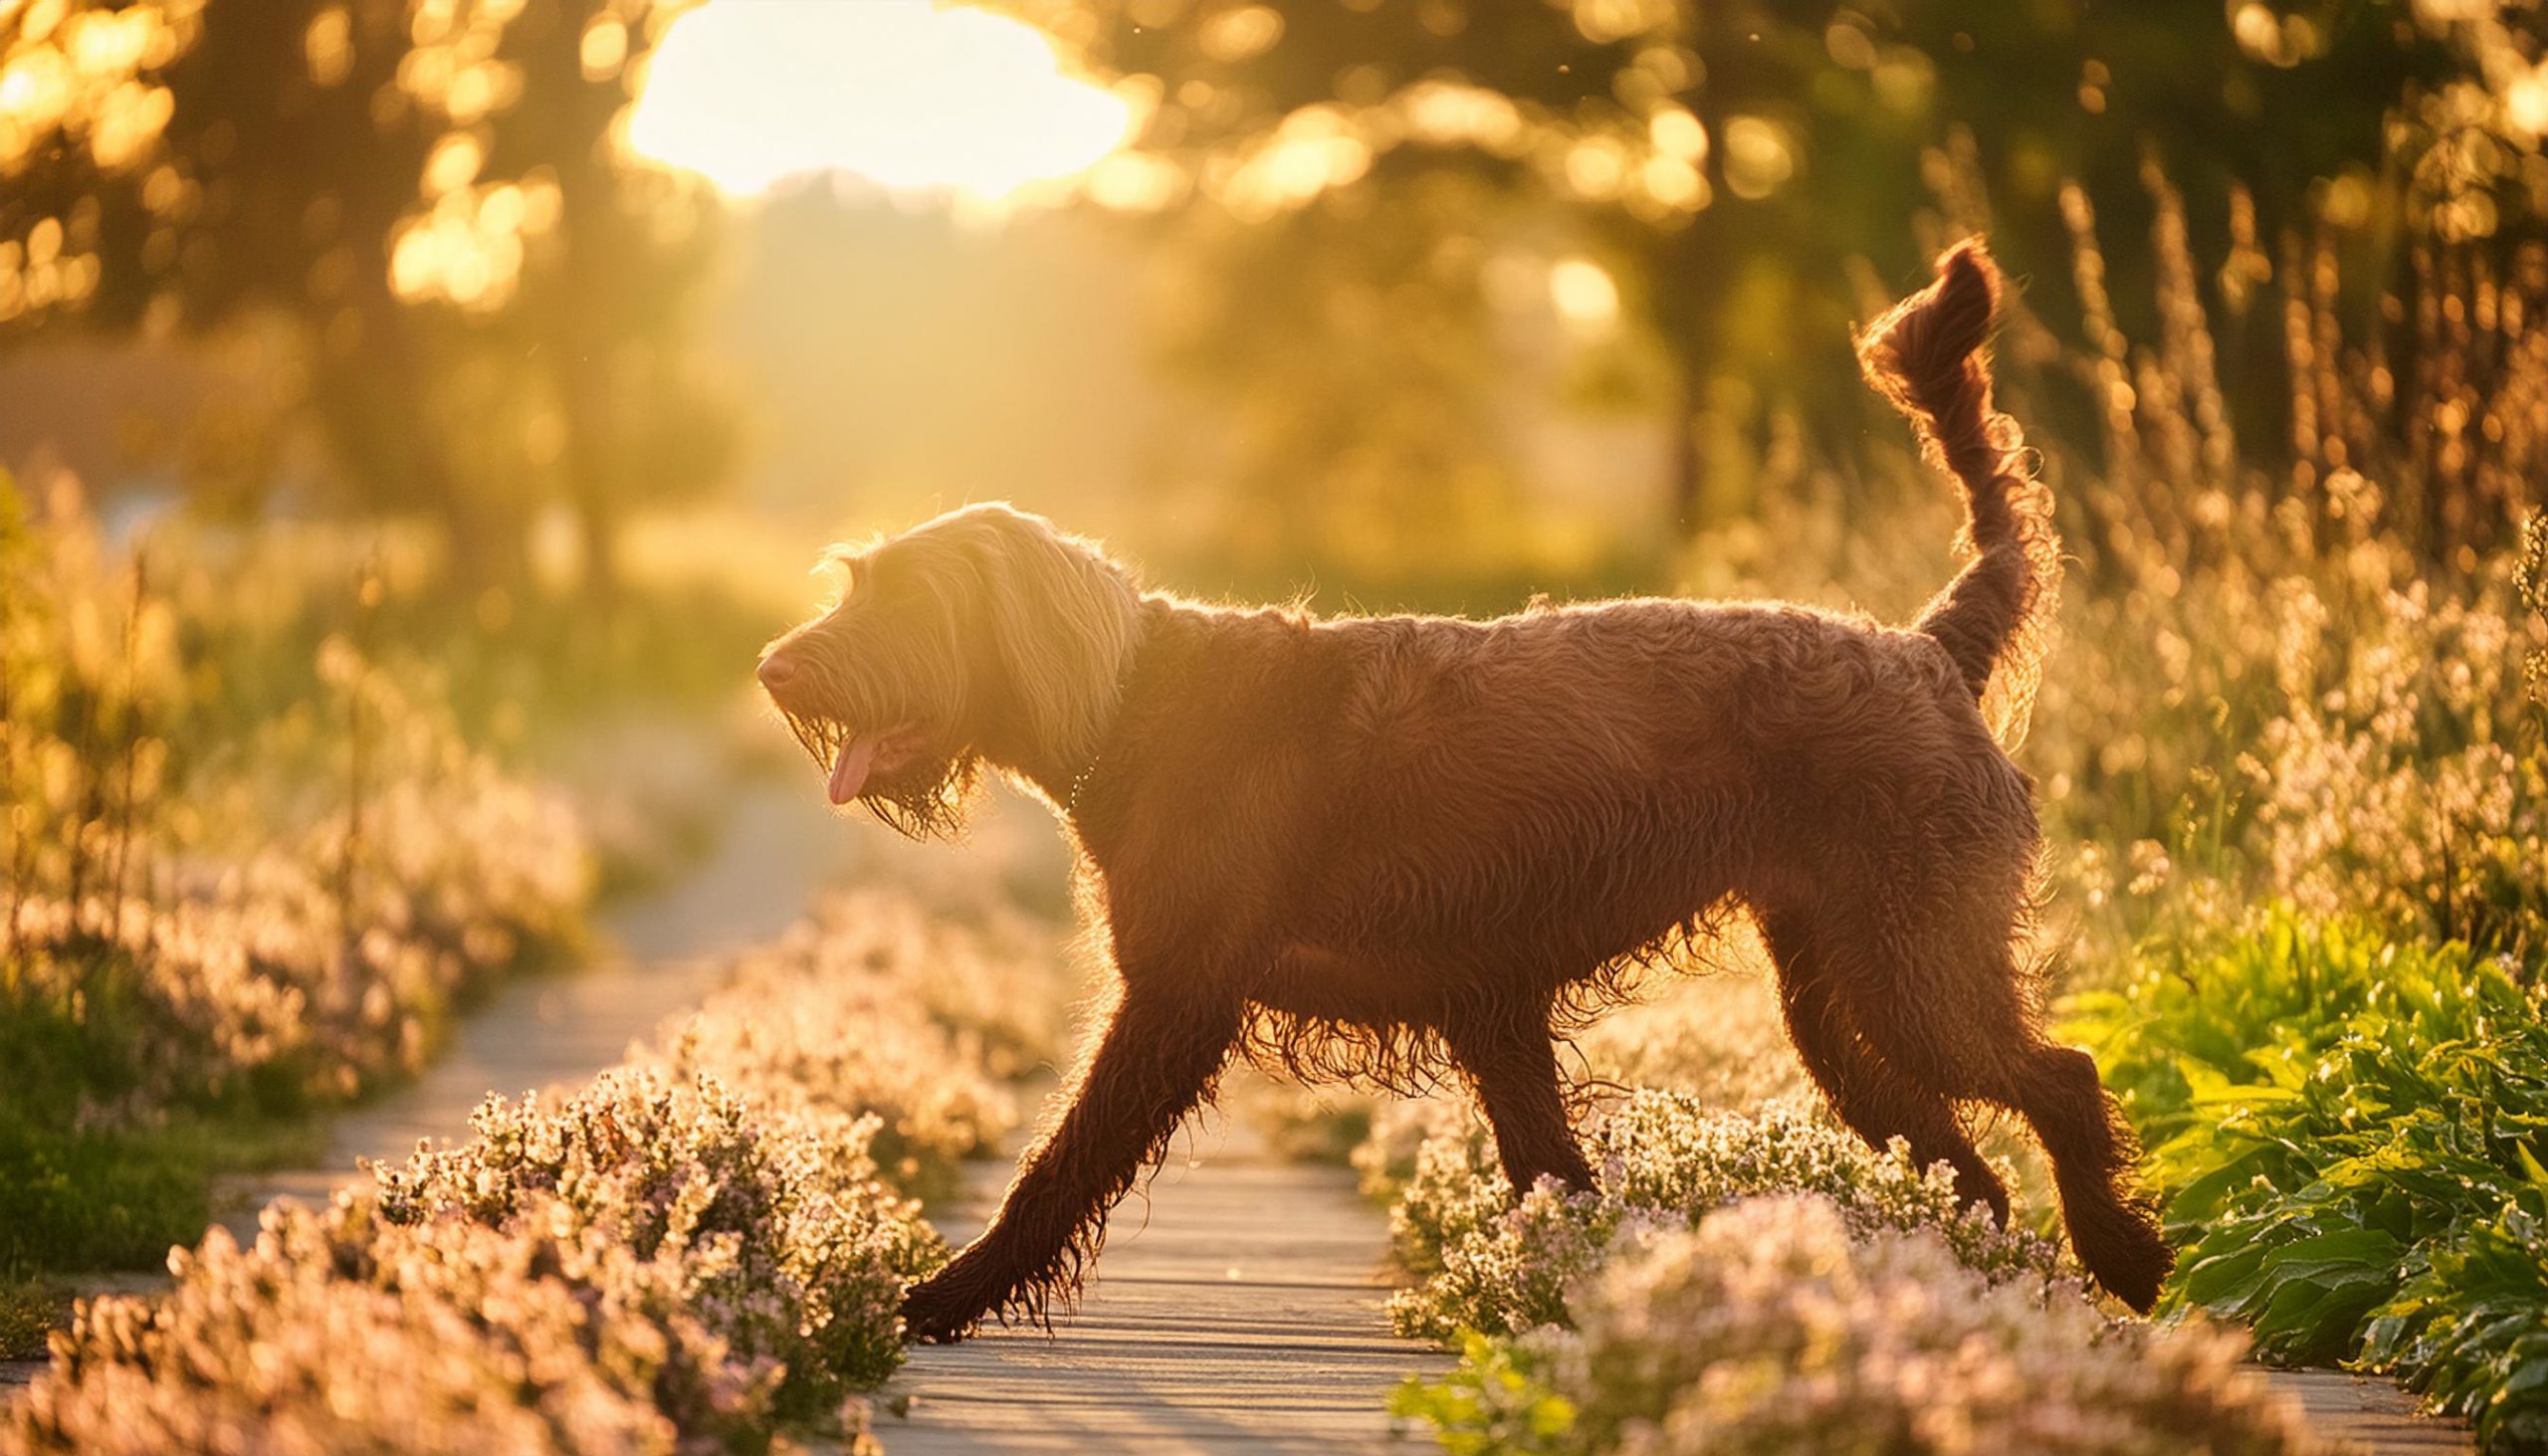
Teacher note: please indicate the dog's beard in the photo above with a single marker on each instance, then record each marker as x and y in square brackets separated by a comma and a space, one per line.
[920, 801]
[936, 806]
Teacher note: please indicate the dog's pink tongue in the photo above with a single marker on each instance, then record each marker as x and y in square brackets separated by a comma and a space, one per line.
[849, 771]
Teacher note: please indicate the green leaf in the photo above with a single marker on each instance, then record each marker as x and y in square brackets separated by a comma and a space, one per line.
[2530, 1165]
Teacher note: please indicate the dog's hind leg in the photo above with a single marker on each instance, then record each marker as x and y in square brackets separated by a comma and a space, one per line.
[1510, 1063]
[1953, 1012]
[2093, 1153]
[1164, 1047]
[1876, 1101]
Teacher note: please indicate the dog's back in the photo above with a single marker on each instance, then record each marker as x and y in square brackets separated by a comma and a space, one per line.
[1570, 784]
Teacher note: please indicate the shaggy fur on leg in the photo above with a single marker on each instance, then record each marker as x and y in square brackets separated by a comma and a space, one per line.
[1393, 847]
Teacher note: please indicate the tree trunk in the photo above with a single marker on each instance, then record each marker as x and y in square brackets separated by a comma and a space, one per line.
[372, 400]
[1688, 291]
[598, 528]
[581, 377]
[1682, 444]
[488, 547]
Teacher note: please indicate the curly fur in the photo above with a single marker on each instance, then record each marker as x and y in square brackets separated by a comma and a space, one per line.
[1928, 357]
[1389, 849]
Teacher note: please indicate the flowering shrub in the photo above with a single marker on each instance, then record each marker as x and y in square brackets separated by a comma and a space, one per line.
[246, 867]
[1492, 1265]
[2320, 722]
[2393, 783]
[973, 963]
[311, 970]
[1717, 1035]
[1400, 1131]
[448, 1336]
[695, 1252]
[648, 1265]
[1776, 1325]
[879, 1005]
[1713, 1032]
[799, 1249]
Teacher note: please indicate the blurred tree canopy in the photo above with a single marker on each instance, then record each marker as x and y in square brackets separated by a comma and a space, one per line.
[1371, 227]
[493, 308]
[1733, 165]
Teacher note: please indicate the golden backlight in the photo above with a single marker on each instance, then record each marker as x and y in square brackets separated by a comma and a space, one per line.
[911, 96]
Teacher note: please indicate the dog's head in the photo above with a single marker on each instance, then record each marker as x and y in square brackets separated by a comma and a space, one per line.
[984, 635]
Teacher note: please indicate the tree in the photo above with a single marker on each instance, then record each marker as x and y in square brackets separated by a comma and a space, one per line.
[495, 299]
[610, 295]
[1730, 161]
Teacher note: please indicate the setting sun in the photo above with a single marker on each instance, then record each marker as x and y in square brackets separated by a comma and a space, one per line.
[911, 96]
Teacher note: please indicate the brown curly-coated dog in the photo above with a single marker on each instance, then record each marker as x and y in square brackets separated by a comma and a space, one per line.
[1389, 846]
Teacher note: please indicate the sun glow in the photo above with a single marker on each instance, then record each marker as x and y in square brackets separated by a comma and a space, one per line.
[911, 96]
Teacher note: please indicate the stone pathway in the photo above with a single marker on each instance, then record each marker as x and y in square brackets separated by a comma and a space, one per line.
[2373, 1415]
[1238, 1309]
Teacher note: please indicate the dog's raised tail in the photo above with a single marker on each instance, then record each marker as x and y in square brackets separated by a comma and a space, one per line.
[1928, 356]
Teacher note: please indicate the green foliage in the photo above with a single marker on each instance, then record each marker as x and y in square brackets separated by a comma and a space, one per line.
[1497, 1400]
[2204, 1017]
[2351, 1138]
[83, 1199]
[30, 1310]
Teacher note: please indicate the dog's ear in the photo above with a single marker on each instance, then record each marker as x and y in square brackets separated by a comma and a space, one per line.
[1062, 621]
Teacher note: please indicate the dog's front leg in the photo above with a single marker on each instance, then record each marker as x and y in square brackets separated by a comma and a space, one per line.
[1164, 1047]
[1511, 1065]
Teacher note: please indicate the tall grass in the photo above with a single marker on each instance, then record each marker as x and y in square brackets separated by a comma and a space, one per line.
[238, 888]
[217, 898]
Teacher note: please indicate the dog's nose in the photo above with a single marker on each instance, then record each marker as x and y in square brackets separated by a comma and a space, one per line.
[775, 669]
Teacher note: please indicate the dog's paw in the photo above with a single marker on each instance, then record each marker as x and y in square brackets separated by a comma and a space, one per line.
[937, 1310]
[2136, 1275]
[2125, 1253]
